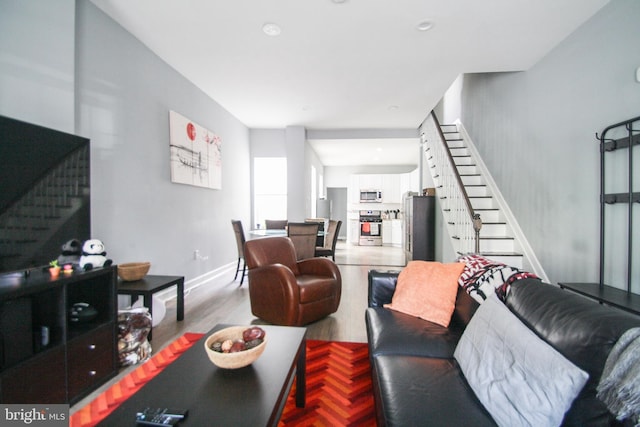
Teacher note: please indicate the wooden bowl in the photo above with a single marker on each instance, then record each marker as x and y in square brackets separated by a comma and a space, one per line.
[236, 360]
[132, 271]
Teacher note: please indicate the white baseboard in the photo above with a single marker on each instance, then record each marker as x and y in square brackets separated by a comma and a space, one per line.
[170, 293]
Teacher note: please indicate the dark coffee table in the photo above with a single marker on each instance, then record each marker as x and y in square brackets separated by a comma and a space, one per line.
[250, 396]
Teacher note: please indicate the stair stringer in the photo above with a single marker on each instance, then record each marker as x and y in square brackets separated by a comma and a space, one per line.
[531, 262]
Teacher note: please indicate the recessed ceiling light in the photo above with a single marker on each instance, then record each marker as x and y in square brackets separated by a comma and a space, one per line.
[271, 29]
[339, 1]
[393, 107]
[424, 26]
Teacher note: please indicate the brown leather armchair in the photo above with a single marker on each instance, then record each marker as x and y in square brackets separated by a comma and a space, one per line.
[287, 292]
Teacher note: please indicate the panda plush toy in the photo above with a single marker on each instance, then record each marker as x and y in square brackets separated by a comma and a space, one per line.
[94, 255]
[71, 252]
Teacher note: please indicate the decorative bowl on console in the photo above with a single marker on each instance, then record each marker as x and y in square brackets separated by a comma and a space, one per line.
[235, 347]
[132, 271]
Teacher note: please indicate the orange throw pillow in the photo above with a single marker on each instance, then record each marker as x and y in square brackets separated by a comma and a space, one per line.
[427, 290]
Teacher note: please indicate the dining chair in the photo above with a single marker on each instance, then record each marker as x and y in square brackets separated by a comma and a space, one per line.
[303, 235]
[240, 241]
[330, 240]
[323, 224]
[276, 224]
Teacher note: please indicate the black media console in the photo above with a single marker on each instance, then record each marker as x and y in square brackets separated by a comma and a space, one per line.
[45, 356]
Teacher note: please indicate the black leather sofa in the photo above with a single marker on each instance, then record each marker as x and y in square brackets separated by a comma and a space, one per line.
[417, 381]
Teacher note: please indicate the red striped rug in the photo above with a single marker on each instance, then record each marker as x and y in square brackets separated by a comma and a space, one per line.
[339, 390]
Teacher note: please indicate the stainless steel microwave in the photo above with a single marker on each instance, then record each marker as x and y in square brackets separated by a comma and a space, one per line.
[370, 196]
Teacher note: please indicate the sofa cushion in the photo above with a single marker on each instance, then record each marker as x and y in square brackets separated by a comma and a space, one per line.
[519, 378]
[392, 332]
[421, 391]
[581, 329]
[427, 290]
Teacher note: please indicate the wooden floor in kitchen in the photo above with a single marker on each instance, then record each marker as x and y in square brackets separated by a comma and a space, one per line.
[224, 301]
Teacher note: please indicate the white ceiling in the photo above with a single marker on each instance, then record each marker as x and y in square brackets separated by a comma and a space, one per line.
[349, 152]
[355, 64]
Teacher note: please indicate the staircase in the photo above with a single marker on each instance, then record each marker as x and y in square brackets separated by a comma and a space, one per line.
[496, 238]
[464, 188]
[29, 223]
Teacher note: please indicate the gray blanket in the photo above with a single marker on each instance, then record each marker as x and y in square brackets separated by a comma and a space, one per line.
[619, 386]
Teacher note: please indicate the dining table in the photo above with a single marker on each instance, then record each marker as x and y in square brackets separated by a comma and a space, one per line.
[264, 232]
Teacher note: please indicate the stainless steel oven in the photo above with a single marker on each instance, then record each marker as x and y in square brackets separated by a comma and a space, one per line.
[370, 228]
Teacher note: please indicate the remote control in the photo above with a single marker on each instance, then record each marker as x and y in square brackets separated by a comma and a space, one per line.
[176, 413]
[160, 417]
[157, 420]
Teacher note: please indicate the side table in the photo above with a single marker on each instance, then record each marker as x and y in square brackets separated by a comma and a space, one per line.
[149, 285]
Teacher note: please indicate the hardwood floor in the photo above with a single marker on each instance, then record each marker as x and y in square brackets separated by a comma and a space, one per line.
[224, 301]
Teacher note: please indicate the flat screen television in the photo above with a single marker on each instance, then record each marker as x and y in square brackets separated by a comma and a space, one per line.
[44, 193]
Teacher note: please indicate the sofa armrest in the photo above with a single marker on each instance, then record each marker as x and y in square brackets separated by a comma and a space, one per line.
[382, 285]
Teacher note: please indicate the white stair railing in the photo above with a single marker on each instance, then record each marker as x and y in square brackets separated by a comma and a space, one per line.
[450, 189]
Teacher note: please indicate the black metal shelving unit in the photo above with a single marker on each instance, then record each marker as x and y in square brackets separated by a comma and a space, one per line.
[631, 138]
[617, 138]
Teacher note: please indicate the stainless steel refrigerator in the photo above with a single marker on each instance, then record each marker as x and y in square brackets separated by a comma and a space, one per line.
[323, 208]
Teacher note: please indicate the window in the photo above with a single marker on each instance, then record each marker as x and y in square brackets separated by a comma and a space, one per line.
[270, 189]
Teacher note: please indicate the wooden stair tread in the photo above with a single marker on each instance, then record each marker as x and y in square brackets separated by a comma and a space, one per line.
[501, 253]
[496, 238]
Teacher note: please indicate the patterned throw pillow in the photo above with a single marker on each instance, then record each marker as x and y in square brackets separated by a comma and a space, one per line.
[482, 277]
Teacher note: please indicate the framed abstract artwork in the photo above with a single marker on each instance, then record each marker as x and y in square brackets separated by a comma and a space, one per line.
[196, 153]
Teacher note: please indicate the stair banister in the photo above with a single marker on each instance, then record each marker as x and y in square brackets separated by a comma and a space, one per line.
[452, 163]
[466, 220]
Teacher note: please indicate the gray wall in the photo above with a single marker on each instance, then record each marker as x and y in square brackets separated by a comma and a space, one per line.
[37, 73]
[536, 132]
[120, 95]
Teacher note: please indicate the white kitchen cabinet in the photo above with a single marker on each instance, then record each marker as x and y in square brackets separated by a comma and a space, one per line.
[392, 232]
[353, 232]
[371, 182]
[396, 232]
[386, 232]
[392, 188]
[405, 183]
